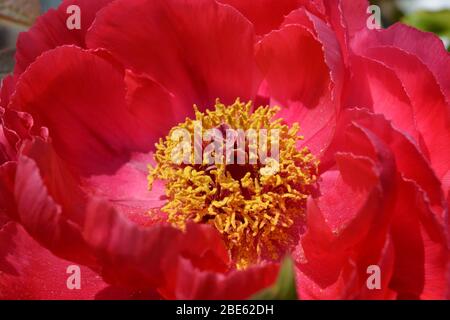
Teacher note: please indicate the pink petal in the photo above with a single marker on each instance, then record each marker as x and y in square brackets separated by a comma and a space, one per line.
[127, 190]
[408, 211]
[406, 38]
[29, 271]
[381, 91]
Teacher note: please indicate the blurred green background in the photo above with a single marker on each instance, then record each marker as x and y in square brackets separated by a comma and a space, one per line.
[428, 15]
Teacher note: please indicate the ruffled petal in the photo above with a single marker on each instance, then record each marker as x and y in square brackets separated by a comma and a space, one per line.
[410, 162]
[348, 239]
[116, 118]
[328, 39]
[381, 91]
[421, 109]
[420, 245]
[406, 38]
[343, 218]
[348, 286]
[43, 217]
[71, 191]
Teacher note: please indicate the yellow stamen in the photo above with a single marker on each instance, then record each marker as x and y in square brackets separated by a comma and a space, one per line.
[256, 210]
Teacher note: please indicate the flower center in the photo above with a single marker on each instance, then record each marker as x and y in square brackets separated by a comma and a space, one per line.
[255, 200]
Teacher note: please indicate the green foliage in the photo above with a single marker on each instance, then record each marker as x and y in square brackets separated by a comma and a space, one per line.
[6, 62]
[437, 22]
[284, 288]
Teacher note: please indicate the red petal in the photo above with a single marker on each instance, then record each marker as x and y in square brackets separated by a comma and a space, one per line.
[417, 246]
[353, 14]
[173, 42]
[7, 201]
[266, 15]
[193, 284]
[347, 18]
[7, 152]
[69, 194]
[158, 109]
[346, 233]
[50, 31]
[43, 218]
[327, 38]
[348, 286]
[112, 123]
[83, 97]
[146, 257]
[293, 62]
[437, 278]
[130, 255]
[205, 248]
[298, 77]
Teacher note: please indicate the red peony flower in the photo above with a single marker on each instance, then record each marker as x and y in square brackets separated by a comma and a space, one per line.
[87, 177]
